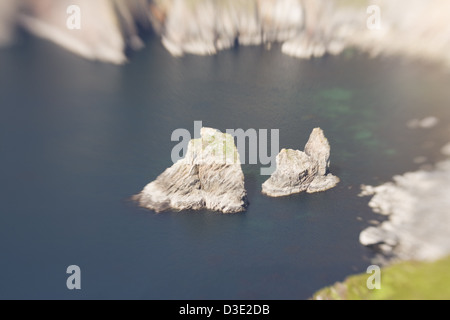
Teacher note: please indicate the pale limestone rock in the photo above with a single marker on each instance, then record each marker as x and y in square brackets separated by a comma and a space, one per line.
[318, 148]
[299, 171]
[209, 177]
[322, 183]
[107, 27]
[376, 236]
[307, 28]
[295, 172]
[417, 207]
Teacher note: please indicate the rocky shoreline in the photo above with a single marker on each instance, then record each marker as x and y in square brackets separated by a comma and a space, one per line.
[305, 28]
[417, 207]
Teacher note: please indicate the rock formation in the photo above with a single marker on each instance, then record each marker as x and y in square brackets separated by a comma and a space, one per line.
[107, 27]
[417, 207]
[306, 28]
[209, 177]
[207, 26]
[299, 171]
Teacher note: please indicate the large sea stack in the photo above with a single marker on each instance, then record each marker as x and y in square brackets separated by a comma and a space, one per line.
[208, 177]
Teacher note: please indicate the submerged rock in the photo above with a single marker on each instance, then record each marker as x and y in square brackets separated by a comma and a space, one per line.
[322, 183]
[295, 172]
[299, 171]
[207, 26]
[209, 177]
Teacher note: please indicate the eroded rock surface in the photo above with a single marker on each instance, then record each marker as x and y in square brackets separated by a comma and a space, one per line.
[299, 171]
[209, 177]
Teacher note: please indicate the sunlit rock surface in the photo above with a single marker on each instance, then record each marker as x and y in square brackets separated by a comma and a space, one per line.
[308, 28]
[107, 27]
[209, 177]
[417, 205]
[206, 26]
[305, 28]
[299, 171]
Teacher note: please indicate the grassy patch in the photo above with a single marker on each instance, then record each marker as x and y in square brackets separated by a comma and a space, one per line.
[407, 280]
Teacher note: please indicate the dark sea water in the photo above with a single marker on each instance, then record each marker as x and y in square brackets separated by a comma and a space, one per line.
[78, 139]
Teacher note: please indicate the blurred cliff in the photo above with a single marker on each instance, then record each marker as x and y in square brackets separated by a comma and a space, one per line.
[306, 28]
[108, 28]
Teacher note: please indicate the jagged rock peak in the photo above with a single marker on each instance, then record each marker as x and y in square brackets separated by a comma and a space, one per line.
[318, 148]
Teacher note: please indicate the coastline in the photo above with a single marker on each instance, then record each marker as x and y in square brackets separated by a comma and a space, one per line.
[304, 28]
[294, 41]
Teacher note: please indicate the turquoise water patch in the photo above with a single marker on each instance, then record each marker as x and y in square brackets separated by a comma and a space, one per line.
[363, 135]
[338, 94]
[390, 152]
[358, 122]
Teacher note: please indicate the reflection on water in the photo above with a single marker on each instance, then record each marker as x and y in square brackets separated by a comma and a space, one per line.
[77, 139]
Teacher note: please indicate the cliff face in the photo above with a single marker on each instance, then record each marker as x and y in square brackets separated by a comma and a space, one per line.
[47, 19]
[209, 177]
[107, 27]
[206, 26]
[306, 28]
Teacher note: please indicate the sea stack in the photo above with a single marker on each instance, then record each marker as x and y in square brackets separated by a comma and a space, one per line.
[208, 177]
[299, 171]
